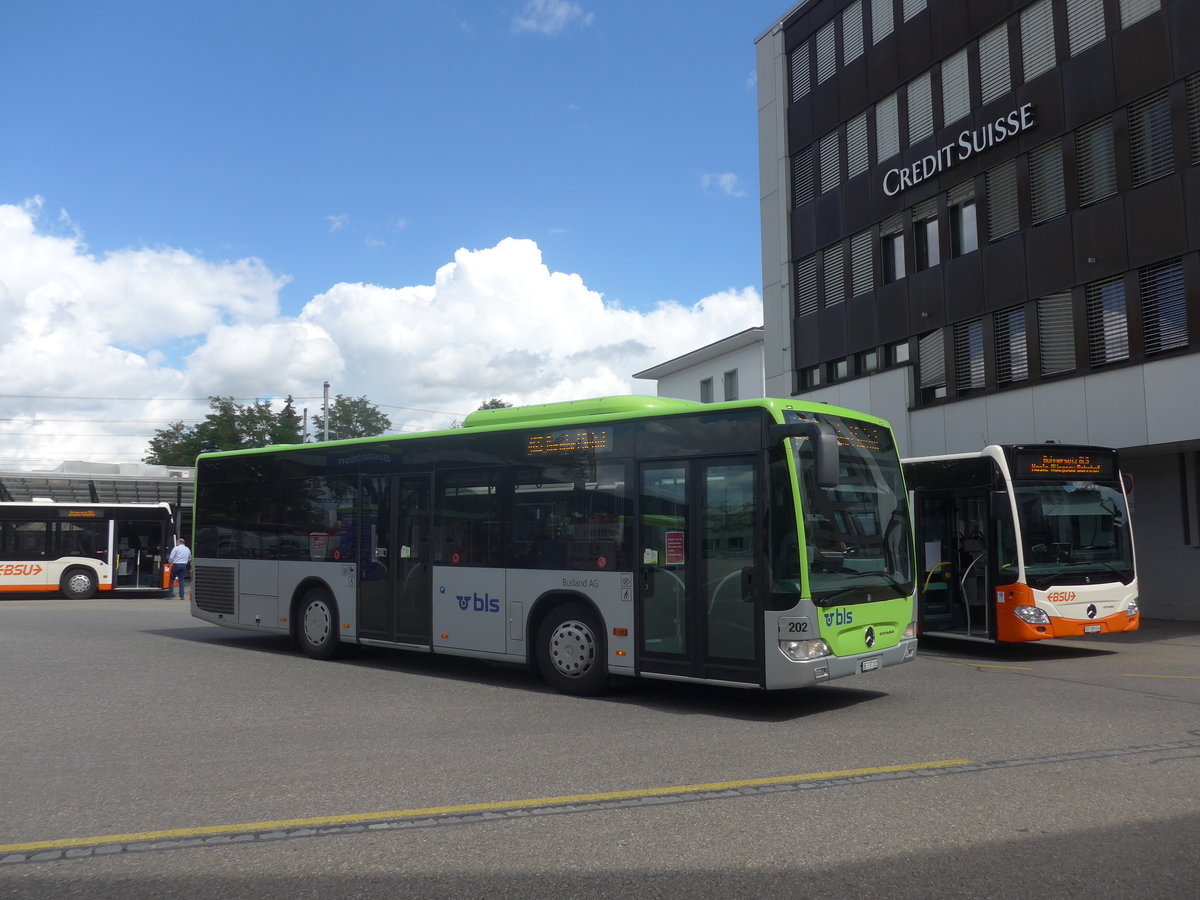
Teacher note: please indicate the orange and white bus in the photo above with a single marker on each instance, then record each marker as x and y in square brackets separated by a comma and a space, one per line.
[77, 549]
[1021, 543]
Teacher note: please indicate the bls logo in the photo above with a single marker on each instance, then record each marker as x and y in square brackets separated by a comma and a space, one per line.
[486, 603]
[840, 617]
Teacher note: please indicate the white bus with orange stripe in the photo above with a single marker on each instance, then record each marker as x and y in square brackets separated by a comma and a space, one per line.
[1022, 543]
[78, 549]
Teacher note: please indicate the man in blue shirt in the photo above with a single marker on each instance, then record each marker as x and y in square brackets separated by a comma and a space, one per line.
[179, 560]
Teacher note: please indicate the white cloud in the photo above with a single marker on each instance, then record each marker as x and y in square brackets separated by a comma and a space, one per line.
[726, 182]
[162, 323]
[338, 222]
[551, 17]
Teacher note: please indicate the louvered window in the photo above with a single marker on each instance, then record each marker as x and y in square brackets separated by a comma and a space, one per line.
[1037, 39]
[925, 235]
[956, 88]
[862, 264]
[891, 248]
[1107, 323]
[1085, 24]
[806, 287]
[883, 20]
[1056, 333]
[1096, 161]
[1047, 198]
[826, 53]
[1133, 10]
[920, 109]
[835, 287]
[857, 159]
[1012, 351]
[968, 356]
[831, 167]
[912, 7]
[802, 177]
[1193, 117]
[887, 129]
[1164, 306]
[852, 32]
[931, 363]
[799, 64]
[1151, 154]
[1002, 201]
[995, 78]
[964, 228]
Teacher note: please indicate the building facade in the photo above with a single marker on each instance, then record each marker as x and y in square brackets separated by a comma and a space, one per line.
[729, 369]
[981, 220]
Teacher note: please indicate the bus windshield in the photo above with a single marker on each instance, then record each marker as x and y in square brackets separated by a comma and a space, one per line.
[1073, 532]
[858, 536]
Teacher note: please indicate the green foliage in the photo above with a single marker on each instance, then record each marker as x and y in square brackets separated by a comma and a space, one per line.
[495, 403]
[351, 417]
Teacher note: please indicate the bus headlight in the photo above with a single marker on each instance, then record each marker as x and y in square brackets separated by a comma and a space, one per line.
[804, 650]
[1133, 608]
[1031, 615]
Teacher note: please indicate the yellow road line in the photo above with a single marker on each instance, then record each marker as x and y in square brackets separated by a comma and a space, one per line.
[985, 666]
[1187, 677]
[354, 818]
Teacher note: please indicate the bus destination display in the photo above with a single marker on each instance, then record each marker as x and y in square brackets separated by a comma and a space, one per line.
[571, 440]
[1059, 464]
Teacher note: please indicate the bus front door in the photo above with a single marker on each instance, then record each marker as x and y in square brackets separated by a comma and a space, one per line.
[394, 559]
[952, 543]
[700, 565]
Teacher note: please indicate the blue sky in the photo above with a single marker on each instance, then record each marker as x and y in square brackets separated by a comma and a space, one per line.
[230, 171]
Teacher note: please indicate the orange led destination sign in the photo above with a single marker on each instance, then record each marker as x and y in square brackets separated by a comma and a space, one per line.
[1059, 464]
[570, 440]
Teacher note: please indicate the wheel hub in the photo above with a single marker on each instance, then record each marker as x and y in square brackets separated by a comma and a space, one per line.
[573, 649]
[316, 623]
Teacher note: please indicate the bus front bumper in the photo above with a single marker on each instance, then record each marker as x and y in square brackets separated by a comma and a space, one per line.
[783, 673]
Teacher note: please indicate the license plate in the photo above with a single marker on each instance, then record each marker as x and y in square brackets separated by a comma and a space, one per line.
[1091, 629]
[869, 665]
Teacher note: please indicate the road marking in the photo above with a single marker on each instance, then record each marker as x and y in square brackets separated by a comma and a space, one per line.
[1188, 677]
[986, 666]
[466, 808]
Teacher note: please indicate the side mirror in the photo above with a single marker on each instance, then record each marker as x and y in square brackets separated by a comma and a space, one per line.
[826, 450]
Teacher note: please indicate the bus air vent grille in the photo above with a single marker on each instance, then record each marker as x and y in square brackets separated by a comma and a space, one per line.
[214, 589]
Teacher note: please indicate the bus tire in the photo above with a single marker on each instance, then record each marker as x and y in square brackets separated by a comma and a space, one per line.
[316, 624]
[570, 650]
[79, 583]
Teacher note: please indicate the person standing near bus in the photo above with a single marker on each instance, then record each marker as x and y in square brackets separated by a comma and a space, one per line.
[179, 560]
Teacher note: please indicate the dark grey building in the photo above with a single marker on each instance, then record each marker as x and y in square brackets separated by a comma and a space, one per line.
[981, 220]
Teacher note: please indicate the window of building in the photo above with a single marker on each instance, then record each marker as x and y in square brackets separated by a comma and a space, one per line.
[862, 264]
[956, 88]
[1085, 24]
[1164, 306]
[826, 52]
[857, 158]
[868, 361]
[887, 129]
[802, 177]
[1096, 161]
[1047, 197]
[852, 32]
[810, 378]
[1107, 323]
[1012, 349]
[1151, 154]
[931, 366]
[1193, 117]
[927, 250]
[912, 7]
[968, 356]
[706, 390]
[1002, 208]
[883, 20]
[891, 244]
[898, 353]
[1134, 10]
[839, 369]
[831, 263]
[1056, 333]
[730, 382]
[920, 109]
[799, 67]
[1037, 39]
[995, 77]
[806, 286]
[831, 165]
[960, 211]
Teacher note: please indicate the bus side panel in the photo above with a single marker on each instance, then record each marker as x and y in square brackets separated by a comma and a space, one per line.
[16, 577]
[341, 578]
[258, 594]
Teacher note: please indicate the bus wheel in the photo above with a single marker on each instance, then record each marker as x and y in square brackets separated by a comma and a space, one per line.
[570, 650]
[317, 624]
[79, 584]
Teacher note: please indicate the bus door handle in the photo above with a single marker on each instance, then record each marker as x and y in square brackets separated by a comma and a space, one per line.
[748, 584]
[647, 581]
[381, 552]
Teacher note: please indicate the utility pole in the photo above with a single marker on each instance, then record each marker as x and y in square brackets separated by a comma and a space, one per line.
[325, 420]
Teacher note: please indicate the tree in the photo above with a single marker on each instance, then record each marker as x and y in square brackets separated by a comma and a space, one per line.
[351, 417]
[229, 426]
[494, 403]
